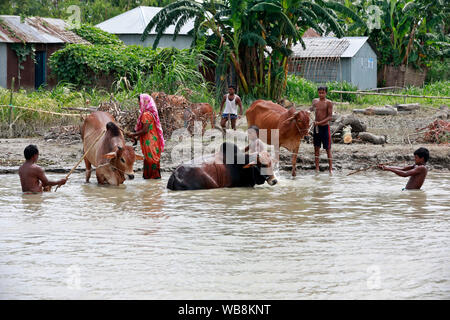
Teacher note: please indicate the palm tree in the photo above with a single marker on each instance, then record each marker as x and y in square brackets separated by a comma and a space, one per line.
[256, 36]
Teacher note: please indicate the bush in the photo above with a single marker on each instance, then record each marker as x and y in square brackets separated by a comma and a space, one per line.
[300, 90]
[341, 86]
[439, 71]
[97, 36]
[82, 64]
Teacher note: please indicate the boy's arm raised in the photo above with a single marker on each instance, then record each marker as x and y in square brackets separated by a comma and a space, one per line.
[404, 173]
[45, 182]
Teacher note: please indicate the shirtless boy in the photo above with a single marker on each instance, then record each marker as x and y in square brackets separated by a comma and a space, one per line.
[324, 111]
[32, 177]
[416, 172]
[231, 101]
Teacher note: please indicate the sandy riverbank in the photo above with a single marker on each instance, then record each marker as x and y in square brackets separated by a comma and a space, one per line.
[60, 154]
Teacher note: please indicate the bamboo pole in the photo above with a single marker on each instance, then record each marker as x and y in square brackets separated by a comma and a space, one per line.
[41, 111]
[370, 167]
[11, 101]
[390, 94]
[84, 155]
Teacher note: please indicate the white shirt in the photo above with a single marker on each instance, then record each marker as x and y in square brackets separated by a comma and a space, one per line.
[230, 106]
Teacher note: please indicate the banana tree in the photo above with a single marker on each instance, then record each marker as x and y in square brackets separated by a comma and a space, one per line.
[207, 15]
[256, 36]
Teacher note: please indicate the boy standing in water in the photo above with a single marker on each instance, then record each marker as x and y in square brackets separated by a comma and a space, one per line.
[231, 101]
[417, 172]
[324, 111]
[32, 177]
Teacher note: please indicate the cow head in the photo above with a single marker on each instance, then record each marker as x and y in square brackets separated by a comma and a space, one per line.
[301, 119]
[122, 161]
[264, 168]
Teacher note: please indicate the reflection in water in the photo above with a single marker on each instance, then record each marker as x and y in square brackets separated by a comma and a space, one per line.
[314, 236]
[417, 200]
[32, 203]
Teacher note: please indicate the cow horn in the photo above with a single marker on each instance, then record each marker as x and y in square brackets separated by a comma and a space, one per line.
[290, 118]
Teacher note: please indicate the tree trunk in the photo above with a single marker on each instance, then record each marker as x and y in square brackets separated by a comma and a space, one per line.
[239, 72]
[286, 66]
[369, 137]
[408, 47]
[377, 111]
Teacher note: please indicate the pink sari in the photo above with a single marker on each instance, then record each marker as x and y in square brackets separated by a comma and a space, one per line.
[147, 104]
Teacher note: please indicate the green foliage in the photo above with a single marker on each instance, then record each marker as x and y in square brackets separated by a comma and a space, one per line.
[92, 11]
[97, 36]
[23, 50]
[301, 90]
[341, 86]
[54, 100]
[254, 37]
[140, 68]
[411, 32]
[439, 71]
[83, 64]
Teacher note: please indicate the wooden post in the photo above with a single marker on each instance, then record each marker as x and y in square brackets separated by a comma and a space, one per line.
[11, 108]
[11, 100]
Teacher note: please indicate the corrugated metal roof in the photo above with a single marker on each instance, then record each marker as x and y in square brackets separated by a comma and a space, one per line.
[134, 22]
[36, 30]
[345, 47]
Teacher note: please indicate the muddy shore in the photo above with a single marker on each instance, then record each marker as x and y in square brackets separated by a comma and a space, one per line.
[59, 155]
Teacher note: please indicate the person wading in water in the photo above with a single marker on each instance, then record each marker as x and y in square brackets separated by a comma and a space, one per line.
[32, 176]
[416, 172]
[150, 133]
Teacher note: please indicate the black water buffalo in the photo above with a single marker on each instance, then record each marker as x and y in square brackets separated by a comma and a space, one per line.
[227, 168]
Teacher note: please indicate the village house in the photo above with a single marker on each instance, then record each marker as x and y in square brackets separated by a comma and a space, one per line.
[44, 36]
[350, 59]
[129, 27]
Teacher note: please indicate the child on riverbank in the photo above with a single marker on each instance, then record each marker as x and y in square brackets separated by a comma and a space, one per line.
[417, 172]
[32, 176]
[324, 111]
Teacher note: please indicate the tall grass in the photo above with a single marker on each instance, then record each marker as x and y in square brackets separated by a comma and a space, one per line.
[302, 91]
[176, 78]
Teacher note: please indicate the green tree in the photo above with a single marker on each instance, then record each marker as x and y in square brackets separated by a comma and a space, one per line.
[92, 11]
[254, 36]
[407, 31]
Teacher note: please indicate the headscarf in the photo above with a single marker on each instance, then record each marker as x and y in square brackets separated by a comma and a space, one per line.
[147, 104]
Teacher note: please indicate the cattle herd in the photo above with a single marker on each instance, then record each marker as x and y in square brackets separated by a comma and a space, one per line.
[229, 167]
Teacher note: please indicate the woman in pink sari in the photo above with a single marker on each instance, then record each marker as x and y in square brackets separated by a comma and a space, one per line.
[148, 129]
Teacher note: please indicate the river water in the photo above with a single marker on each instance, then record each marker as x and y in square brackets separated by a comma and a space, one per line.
[315, 237]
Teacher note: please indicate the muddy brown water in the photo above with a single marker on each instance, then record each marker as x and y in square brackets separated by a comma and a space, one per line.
[339, 237]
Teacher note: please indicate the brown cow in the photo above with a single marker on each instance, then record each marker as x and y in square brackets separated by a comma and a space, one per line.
[292, 125]
[111, 157]
[199, 112]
